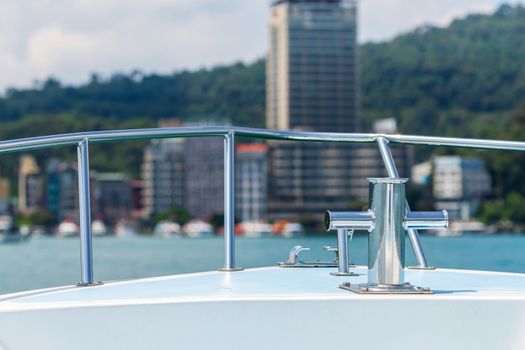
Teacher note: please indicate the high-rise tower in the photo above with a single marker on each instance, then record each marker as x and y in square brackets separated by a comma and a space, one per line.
[311, 66]
[311, 79]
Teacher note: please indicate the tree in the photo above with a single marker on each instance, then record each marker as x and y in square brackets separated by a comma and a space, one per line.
[178, 214]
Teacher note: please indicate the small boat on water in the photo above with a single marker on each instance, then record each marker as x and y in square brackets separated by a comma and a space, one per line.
[255, 229]
[460, 227]
[292, 229]
[288, 229]
[9, 232]
[67, 229]
[167, 229]
[198, 229]
[299, 304]
[99, 228]
[125, 228]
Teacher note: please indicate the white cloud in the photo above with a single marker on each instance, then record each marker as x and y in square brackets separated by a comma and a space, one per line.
[69, 39]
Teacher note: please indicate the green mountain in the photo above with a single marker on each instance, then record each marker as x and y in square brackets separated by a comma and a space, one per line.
[459, 80]
[235, 91]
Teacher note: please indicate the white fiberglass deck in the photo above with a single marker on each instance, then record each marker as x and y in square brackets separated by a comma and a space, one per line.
[268, 283]
[270, 308]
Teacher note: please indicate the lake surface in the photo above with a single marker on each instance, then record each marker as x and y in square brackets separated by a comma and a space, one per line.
[47, 261]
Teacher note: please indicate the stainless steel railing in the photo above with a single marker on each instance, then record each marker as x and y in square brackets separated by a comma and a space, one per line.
[83, 139]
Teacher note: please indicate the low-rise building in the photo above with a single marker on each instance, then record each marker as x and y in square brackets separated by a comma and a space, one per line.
[459, 184]
[204, 176]
[251, 179]
[4, 195]
[422, 173]
[163, 176]
[185, 173]
[111, 196]
[30, 185]
[62, 190]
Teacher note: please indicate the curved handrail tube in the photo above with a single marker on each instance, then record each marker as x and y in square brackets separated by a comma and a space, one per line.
[391, 169]
[456, 142]
[284, 135]
[182, 132]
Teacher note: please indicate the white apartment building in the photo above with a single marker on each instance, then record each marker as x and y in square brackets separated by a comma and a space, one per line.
[458, 185]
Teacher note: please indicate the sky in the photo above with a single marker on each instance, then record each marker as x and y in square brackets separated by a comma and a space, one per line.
[71, 39]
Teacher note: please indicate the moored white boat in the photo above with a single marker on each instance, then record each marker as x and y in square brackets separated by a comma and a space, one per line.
[460, 227]
[99, 228]
[198, 228]
[125, 228]
[67, 229]
[167, 229]
[288, 229]
[9, 232]
[292, 229]
[255, 229]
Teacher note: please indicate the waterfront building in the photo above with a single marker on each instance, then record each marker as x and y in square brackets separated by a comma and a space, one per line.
[62, 190]
[185, 173]
[30, 185]
[422, 173]
[459, 184]
[137, 205]
[204, 170]
[311, 85]
[112, 197]
[251, 180]
[4, 195]
[204, 176]
[305, 179]
[163, 176]
[311, 66]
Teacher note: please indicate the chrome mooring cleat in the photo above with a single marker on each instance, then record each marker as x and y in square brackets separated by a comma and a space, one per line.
[386, 221]
[294, 261]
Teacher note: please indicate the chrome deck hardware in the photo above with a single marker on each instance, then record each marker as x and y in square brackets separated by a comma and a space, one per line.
[391, 169]
[386, 220]
[294, 261]
[344, 236]
[229, 204]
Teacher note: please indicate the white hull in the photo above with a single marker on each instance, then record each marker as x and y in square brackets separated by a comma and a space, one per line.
[271, 308]
[67, 229]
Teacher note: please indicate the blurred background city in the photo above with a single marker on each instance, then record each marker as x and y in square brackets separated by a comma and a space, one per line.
[444, 68]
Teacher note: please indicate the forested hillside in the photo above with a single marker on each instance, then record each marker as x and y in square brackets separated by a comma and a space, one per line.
[460, 80]
[465, 80]
[236, 91]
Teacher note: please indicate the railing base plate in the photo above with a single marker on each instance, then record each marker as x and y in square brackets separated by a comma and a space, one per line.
[344, 274]
[225, 269]
[421, 267]
[365, 288]
[94, 284]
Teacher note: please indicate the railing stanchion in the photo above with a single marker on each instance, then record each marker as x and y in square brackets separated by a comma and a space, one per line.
[413, 235]
[229, 202]
[86, 248]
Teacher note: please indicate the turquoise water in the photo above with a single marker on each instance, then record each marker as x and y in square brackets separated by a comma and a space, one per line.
[47, 262]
